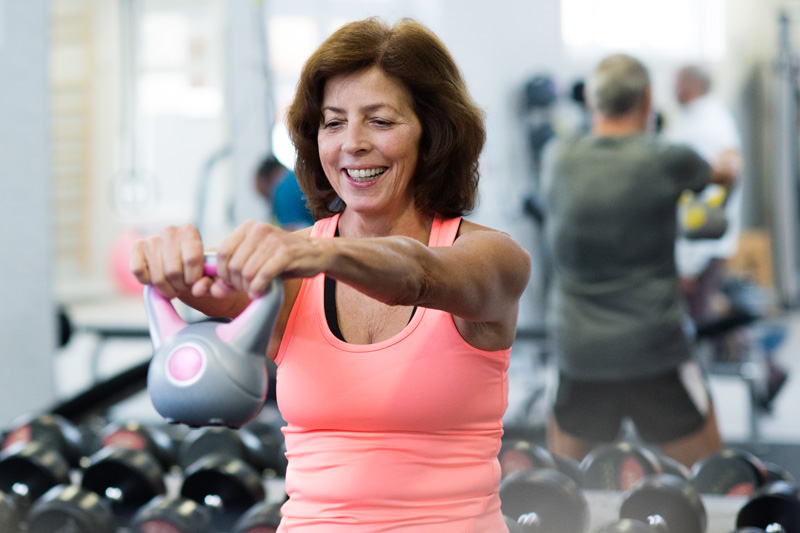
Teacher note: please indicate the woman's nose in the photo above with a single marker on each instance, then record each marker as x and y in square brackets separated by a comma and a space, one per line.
[356, 139]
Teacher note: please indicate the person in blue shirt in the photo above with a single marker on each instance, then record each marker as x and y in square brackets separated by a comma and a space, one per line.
[278, 185]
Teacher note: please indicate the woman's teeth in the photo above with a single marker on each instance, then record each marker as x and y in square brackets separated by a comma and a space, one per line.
[365, 174]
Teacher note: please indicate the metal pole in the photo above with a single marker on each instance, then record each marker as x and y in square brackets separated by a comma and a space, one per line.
[785, 184]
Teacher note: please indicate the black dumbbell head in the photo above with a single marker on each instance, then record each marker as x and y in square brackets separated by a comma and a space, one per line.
[127, 478]
[134, 435]
[730, 473]
[27, 471]
[671, 498]
[172, 514]
[520, 454]
[226, 484]
[555, 498]
[618, 466]
[237, 443]
[71, 508]
[775, 503]
[52, 431]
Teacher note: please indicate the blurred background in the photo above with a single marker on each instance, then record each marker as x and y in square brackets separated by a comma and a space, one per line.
[118, 117]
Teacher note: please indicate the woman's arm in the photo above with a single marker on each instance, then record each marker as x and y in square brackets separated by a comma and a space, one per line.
[479, 279]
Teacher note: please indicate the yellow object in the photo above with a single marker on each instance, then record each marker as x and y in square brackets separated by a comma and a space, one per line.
[694, 216]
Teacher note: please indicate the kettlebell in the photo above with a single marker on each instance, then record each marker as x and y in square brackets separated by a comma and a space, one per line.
[702, 216]
[206, 373]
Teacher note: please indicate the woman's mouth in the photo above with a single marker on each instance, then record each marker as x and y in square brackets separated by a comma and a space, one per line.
[363, 175]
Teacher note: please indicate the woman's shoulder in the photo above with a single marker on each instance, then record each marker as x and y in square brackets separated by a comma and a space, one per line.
[476, 231]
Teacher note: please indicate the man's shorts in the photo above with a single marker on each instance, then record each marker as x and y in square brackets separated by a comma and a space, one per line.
[664, 407]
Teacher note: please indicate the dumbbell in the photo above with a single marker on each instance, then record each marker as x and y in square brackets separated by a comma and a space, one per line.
[134, 435]
[173, 514]
[122, 479]
[661, 503]
[206, 373]
[550, 500]
[263, 517]
[774, 507]
[227, 485]
[217, 489]
[27, 472]
[521, 454]
[618, 466]
[729, 472]
[264, 451]
[71, 508]
[52, 431]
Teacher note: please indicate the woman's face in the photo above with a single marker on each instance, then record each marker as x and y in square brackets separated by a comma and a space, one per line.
[369, 142]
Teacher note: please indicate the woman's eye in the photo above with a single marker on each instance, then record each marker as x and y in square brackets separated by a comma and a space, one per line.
[381, 122]
[331, 124]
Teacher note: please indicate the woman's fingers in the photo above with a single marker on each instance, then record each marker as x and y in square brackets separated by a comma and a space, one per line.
[172, 262]
[244, 253]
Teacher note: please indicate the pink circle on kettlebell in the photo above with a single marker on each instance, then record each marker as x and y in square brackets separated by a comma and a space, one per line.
[185, 363]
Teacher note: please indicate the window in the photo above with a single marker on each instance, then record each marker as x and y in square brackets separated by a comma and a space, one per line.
[669, 28]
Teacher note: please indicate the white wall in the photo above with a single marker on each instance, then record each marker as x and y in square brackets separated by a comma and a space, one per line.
[27, 333]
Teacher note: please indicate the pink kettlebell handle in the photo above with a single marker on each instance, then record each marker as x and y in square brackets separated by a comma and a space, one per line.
[210, 264]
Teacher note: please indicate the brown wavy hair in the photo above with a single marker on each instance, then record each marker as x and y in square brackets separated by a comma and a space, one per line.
[446, 178]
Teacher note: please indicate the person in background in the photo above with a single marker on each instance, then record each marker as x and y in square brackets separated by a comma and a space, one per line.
[393, 342]
[278, 186]
[704, 124]
[617, 310]
[707, 126]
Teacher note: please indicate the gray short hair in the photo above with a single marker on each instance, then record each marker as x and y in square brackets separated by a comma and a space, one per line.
[697, 75]
[618, 84]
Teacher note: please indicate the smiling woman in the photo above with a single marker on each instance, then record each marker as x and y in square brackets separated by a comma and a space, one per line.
[369, 151]
[394, 336]
[446, 177]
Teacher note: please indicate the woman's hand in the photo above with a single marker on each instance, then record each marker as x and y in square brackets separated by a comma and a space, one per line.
[256, 253]
[172, 262]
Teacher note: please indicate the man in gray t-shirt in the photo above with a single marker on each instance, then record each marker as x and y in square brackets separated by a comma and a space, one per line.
[617, 309]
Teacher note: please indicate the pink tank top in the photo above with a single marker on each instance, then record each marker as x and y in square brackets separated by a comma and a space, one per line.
[398, 436]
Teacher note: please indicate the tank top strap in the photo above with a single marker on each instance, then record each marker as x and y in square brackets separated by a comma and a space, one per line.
[326, 227]
[444, 231]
